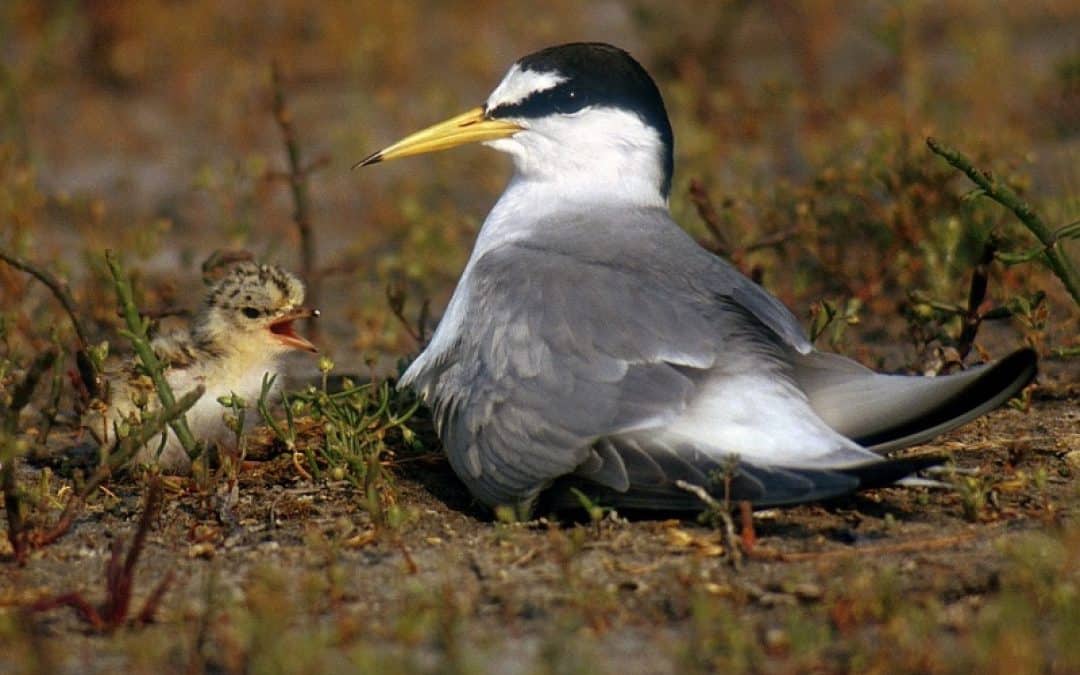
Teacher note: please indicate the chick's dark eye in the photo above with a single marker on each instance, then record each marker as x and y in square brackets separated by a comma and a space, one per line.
[251, 312]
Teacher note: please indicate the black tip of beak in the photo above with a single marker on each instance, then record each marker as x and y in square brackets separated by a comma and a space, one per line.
[373, 158]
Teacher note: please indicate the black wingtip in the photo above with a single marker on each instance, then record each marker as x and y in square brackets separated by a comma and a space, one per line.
[1026, 359]
[996, 384]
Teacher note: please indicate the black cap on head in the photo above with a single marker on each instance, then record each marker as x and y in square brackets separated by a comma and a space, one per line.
[600, 75]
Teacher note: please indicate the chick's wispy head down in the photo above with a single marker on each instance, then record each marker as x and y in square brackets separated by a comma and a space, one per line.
[252, 301]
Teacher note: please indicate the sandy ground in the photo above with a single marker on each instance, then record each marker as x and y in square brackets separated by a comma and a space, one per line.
[450, 587]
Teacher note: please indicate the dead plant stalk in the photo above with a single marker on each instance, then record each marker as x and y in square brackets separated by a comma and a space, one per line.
[87, 370]
[297, 178]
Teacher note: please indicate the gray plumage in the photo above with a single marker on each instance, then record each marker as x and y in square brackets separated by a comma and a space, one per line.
[597, 347]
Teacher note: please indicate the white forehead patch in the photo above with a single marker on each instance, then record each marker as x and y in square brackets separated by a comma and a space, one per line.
[518, 84]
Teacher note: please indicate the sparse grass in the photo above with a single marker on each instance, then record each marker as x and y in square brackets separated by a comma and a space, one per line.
[114, 611]
[11, 449]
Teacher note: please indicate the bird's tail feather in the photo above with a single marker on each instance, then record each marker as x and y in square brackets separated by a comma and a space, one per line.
[886, 412]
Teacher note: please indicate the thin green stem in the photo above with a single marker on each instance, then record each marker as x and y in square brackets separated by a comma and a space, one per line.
[152, 426]
[994, 189]
[141, 343]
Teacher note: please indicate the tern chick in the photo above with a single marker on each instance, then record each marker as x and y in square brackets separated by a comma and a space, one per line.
[240, 332]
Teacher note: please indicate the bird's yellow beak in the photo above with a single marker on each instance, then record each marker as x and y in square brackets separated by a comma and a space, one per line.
[468, 127]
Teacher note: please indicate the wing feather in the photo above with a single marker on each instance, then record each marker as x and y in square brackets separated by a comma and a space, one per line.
[576, 350]
[590, 329]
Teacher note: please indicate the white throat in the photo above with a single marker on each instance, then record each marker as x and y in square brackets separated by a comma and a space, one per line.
[598, 156]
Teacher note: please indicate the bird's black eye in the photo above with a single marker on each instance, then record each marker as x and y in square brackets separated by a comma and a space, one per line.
[251, 312]
[567, 100]
[564, 99]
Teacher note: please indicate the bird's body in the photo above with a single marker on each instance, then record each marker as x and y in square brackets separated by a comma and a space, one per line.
[240, 333]
[591, 342]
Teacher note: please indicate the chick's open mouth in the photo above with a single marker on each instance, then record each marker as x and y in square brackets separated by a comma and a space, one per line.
[286, 333]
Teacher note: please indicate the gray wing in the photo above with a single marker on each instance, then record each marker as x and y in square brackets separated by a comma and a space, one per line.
[712, 276]
[574, 347]
[652, 484]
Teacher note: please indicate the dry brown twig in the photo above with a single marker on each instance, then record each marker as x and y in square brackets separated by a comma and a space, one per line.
[702, 201]
[119, 579]
[721, 243]
[88, 373]
[731, 542]
[297, 178]
[976, 295]
[396, 297]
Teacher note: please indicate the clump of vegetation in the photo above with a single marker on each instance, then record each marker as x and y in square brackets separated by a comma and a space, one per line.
[349, 434]
[893, 204]
[11, 449]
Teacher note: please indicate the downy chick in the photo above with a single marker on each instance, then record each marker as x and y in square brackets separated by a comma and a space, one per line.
[242, 330]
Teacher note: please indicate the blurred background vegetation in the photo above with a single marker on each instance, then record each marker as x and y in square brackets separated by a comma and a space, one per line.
[147, 127]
